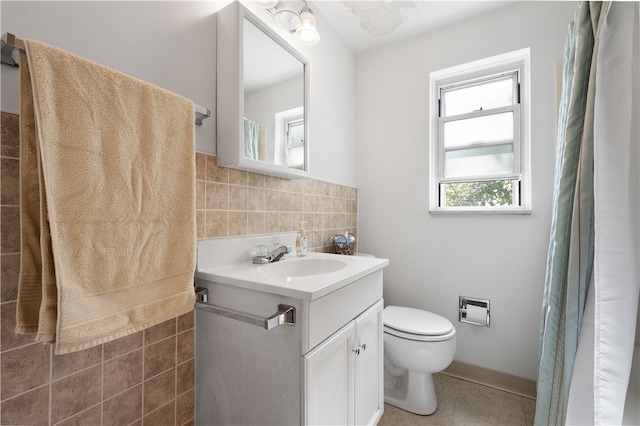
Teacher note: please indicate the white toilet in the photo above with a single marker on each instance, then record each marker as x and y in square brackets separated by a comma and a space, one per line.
[417, 344]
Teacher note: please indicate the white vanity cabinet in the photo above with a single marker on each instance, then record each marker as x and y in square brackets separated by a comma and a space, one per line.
[369, 367]
[325, 369]
[343, 375]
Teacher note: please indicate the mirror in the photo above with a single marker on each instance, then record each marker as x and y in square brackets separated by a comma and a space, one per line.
[262, 96]
[273, 101]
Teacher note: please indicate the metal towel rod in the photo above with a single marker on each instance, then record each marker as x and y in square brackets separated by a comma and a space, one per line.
[11, 45]
[286, 314]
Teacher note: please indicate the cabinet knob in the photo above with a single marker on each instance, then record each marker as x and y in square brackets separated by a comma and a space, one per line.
[361, 347]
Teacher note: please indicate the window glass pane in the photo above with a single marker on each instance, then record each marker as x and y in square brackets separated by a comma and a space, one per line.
[296, 157]
[479, 194]
[492, 94]
[477, 130]
[295, 133]
[481, 160]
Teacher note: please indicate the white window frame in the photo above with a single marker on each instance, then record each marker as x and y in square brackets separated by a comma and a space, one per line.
[517, 61]
[282, 145]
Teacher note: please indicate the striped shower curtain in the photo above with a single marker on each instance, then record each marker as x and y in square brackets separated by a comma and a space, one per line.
[251, 136]
[594, 188]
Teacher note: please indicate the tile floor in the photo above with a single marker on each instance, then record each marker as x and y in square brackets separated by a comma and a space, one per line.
[465, 403]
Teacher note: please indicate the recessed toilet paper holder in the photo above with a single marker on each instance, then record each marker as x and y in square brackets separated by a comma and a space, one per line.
[474, 311]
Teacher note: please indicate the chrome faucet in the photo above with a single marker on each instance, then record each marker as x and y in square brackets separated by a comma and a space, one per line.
[274, 256]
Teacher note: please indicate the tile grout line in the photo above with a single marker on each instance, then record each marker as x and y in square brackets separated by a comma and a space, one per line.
[50, 414]
[175, 368]
[142, 383]
[102, 385]
[78, 413]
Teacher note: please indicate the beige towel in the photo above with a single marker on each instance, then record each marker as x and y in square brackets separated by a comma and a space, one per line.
[107, 202]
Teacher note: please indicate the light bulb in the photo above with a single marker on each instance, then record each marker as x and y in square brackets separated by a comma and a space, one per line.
[307, 33]
[286, 15]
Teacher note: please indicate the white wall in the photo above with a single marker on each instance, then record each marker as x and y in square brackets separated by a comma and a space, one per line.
[262, 105]
[433, 258]
[165, 43]
[436, 258]
[172, 45]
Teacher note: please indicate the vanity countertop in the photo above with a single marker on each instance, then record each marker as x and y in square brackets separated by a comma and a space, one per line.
[298, 277]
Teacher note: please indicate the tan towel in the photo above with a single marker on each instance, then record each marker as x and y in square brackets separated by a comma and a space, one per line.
[107, 202]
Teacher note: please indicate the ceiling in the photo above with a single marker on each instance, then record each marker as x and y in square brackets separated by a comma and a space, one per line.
[368, 24]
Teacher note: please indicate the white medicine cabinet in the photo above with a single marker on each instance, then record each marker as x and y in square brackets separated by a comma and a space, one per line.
[262, 97]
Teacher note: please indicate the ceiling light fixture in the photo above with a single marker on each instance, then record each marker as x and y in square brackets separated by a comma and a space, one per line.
[266, 3]
[288, 14]
[307, 32]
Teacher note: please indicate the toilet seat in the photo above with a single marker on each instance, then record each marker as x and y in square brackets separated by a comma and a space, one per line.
[416, 324]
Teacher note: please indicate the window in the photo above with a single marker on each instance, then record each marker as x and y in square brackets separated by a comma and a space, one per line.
[295, 143]
[289, 129]
[480, 136]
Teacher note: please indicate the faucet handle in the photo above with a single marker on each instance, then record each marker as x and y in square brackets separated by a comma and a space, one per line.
[260, 250]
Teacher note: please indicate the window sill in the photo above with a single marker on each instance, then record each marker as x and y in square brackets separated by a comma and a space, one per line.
[480, 211]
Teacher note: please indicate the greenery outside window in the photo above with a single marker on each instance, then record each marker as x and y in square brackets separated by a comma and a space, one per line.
[480, 137]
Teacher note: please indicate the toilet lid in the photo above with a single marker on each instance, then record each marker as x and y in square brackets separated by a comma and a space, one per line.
[415, 321]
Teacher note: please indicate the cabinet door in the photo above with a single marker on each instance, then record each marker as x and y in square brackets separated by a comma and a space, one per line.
[369, 379]
[328, 372]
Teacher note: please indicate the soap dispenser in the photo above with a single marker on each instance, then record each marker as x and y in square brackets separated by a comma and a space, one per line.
[301, 241]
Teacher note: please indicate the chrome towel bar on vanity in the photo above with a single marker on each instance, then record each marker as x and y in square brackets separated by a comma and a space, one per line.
[286, 315]
[11, 45]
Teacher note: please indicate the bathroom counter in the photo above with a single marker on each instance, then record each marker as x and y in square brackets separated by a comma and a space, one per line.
[273, 278]
[322, 365]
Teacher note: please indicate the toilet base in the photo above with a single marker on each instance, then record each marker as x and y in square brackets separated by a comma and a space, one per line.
[413, 392]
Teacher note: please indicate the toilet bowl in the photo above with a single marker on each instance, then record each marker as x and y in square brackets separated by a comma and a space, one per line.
[417, 344]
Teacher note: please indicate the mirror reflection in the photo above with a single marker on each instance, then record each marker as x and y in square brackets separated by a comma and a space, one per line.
[274, 117]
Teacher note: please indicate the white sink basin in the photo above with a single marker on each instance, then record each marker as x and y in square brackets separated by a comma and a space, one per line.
[228, 261]
[300, 267]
